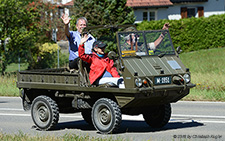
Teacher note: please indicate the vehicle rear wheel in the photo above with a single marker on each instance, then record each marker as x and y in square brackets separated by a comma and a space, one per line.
[44, 112]
[86, 114]
[106, 116]
[159, 116]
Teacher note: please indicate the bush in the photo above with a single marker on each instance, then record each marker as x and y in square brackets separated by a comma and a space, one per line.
[193, 33]
[47, 57]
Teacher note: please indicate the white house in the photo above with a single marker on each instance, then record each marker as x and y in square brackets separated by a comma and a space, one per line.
[63, 5]
[175, 9]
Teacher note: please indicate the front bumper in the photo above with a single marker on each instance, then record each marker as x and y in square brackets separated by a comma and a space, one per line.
[167, 87]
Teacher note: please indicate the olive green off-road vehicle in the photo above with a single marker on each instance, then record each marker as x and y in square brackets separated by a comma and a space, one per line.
[153, 77]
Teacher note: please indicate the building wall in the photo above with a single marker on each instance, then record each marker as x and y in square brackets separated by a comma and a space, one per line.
[65, 1]
[161, 13]
[211, 7]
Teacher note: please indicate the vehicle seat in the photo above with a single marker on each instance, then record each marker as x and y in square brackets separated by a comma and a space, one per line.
[112, 55]
[84, 69]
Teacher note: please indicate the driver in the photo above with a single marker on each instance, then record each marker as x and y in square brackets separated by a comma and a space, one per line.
[131, 41]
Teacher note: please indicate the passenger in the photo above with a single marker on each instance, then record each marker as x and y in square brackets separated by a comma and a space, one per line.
[102, 68]
[154, 45]
[74, 38]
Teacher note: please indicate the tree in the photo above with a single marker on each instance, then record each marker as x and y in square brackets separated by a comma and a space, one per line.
[25, 23]
[103, 12]
[42, 23]
[13, 20]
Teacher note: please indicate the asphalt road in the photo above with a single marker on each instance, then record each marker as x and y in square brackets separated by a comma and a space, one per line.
[189, 121]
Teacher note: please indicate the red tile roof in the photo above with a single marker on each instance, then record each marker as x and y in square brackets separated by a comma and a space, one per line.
[68, 3]
[148, 3]
[139, 3]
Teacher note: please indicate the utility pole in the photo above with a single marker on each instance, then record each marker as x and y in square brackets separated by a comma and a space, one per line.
[54, 38]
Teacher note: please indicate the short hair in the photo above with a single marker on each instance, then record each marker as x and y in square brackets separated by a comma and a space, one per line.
[82, 18]
[127, 38]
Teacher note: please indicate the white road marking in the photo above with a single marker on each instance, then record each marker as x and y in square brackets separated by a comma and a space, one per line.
[199, 121]
[198, 116]
[201, 102]
[174, 117]
[19, 115]
[10, 109]
[7, 97]
[210, 121]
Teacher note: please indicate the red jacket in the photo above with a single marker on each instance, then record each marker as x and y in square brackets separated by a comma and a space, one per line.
[98, 65]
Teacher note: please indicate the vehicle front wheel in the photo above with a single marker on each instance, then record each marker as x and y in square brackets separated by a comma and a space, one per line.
[44, 112]
[106, 116]
[159, 116]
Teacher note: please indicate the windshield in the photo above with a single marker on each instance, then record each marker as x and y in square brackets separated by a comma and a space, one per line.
[145, 43]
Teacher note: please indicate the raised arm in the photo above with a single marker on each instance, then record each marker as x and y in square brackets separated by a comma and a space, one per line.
[161, 37]
[66, 20]
[81, 50]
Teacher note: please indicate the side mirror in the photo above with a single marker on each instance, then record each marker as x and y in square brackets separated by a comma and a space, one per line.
[179, 50]
[112, 55]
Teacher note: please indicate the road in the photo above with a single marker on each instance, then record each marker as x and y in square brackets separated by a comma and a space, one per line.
[190, 120]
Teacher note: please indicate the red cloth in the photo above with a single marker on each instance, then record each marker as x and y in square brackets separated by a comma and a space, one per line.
[98, 65]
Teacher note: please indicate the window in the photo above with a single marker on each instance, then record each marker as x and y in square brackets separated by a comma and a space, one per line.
[149, 16]
[145, 16]
[188, 12]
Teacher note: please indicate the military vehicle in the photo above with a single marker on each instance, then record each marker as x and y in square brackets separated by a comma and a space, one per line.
[154, 77]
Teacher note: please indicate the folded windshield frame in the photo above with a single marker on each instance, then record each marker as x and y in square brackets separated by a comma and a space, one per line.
[145, 43]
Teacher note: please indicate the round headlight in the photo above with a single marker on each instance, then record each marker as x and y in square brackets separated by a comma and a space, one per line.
[187, 78]
[138, 82]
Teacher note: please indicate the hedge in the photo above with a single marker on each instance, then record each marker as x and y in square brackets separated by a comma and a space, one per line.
[193, 33]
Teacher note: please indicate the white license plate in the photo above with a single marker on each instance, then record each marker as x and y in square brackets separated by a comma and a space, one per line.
[162, 80]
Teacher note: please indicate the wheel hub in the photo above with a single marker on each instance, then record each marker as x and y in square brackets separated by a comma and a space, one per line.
[105, 116]
[43, 113]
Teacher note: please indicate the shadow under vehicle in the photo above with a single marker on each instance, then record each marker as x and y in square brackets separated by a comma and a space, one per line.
[153, 80]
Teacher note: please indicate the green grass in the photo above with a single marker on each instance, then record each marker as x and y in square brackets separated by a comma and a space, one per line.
[8, 81]
[67, 137]
[8, 85]
[14, 67]
[205, 61]
[208, 73]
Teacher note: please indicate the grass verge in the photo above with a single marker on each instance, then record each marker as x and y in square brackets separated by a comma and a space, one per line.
[8, 85]
[67, 137]
[208, 73]
[205, 95]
